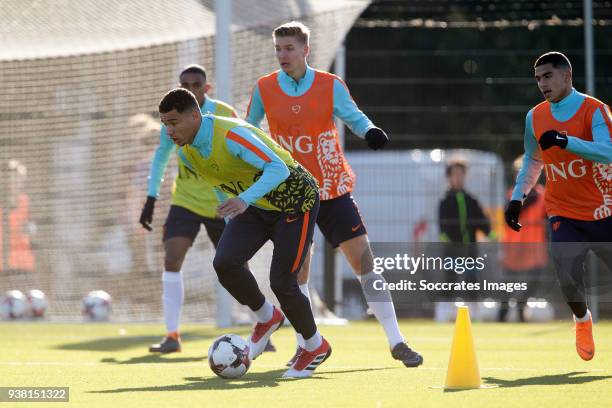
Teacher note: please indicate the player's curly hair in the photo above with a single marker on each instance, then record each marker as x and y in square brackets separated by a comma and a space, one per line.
[178, 98]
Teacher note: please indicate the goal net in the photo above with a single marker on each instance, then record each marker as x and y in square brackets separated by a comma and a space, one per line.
[81, 81]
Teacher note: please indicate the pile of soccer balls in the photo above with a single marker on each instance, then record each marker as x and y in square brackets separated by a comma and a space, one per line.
[14, 305]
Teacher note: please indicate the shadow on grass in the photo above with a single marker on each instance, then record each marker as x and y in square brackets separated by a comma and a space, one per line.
[552, 379]
[357, 370]
[551, 330]
[154, 359]
[251, 380]
[117, 343]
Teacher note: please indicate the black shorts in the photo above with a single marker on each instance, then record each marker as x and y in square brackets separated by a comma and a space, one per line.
[570, 242]
[339, 220]
[290, 233]
[569, 230]
[182, 222]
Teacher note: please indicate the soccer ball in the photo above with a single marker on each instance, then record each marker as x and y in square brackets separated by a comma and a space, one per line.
[539, 311]
[13, 305]
[97, 305]
[37, 303]
[228, 356]
[488, 310]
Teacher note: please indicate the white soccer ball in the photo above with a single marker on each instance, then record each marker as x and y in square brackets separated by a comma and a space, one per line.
[97, 305]
[37, 303]
[488, 310]
[539, 311]
[13, 305]
[228, 356]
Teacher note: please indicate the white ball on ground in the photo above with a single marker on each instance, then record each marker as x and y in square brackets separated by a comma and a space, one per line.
[228, 356]
[96, 306]
[37, 303]
[13, 305]
[488, 310]
[539, 311]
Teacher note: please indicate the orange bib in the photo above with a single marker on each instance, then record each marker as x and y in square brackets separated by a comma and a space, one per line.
[304, 125]
[576, 188]
[532, 237]
[20, 256]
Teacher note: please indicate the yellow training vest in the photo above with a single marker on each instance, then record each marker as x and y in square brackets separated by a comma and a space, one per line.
[189, 191]
[231, 175]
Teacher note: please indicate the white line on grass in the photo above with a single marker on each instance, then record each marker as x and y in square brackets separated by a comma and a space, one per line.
[347, 367]
[325, 368]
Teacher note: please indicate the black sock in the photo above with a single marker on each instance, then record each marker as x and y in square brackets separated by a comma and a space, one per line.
[578, 308]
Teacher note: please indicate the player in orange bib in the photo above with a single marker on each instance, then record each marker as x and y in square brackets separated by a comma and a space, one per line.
[568, 135]
[300, 104]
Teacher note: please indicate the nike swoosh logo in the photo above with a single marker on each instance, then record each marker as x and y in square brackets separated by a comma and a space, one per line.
[560, 138]
[355, 228]
[292, 219]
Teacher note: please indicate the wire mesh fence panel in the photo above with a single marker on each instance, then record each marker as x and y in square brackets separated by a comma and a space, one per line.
[76, 76]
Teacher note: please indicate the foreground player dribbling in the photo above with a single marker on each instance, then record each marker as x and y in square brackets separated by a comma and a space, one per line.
[267, 196]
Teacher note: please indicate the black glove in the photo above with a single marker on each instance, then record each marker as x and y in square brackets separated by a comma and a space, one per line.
[376, 138]
[552, 138]
[512, 214]
[146, 216]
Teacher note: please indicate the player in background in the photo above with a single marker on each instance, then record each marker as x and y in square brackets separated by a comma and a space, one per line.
[459, 213]
[532, 237]
[568, 135]
[300, 103]
[16, 228]
[270, 196]
[460, 217]
[193, 203]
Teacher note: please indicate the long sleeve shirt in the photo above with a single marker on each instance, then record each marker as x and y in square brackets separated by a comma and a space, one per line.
[345, 107]
[599, 150]
[248, 148]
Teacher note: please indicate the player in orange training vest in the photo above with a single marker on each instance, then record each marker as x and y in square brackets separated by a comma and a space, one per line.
[569, 136]
[300, 104]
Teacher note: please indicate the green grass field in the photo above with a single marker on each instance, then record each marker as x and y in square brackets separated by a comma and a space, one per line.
[107, 365]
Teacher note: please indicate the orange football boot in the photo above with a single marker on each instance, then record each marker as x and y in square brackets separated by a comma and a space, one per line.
[585, 346]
